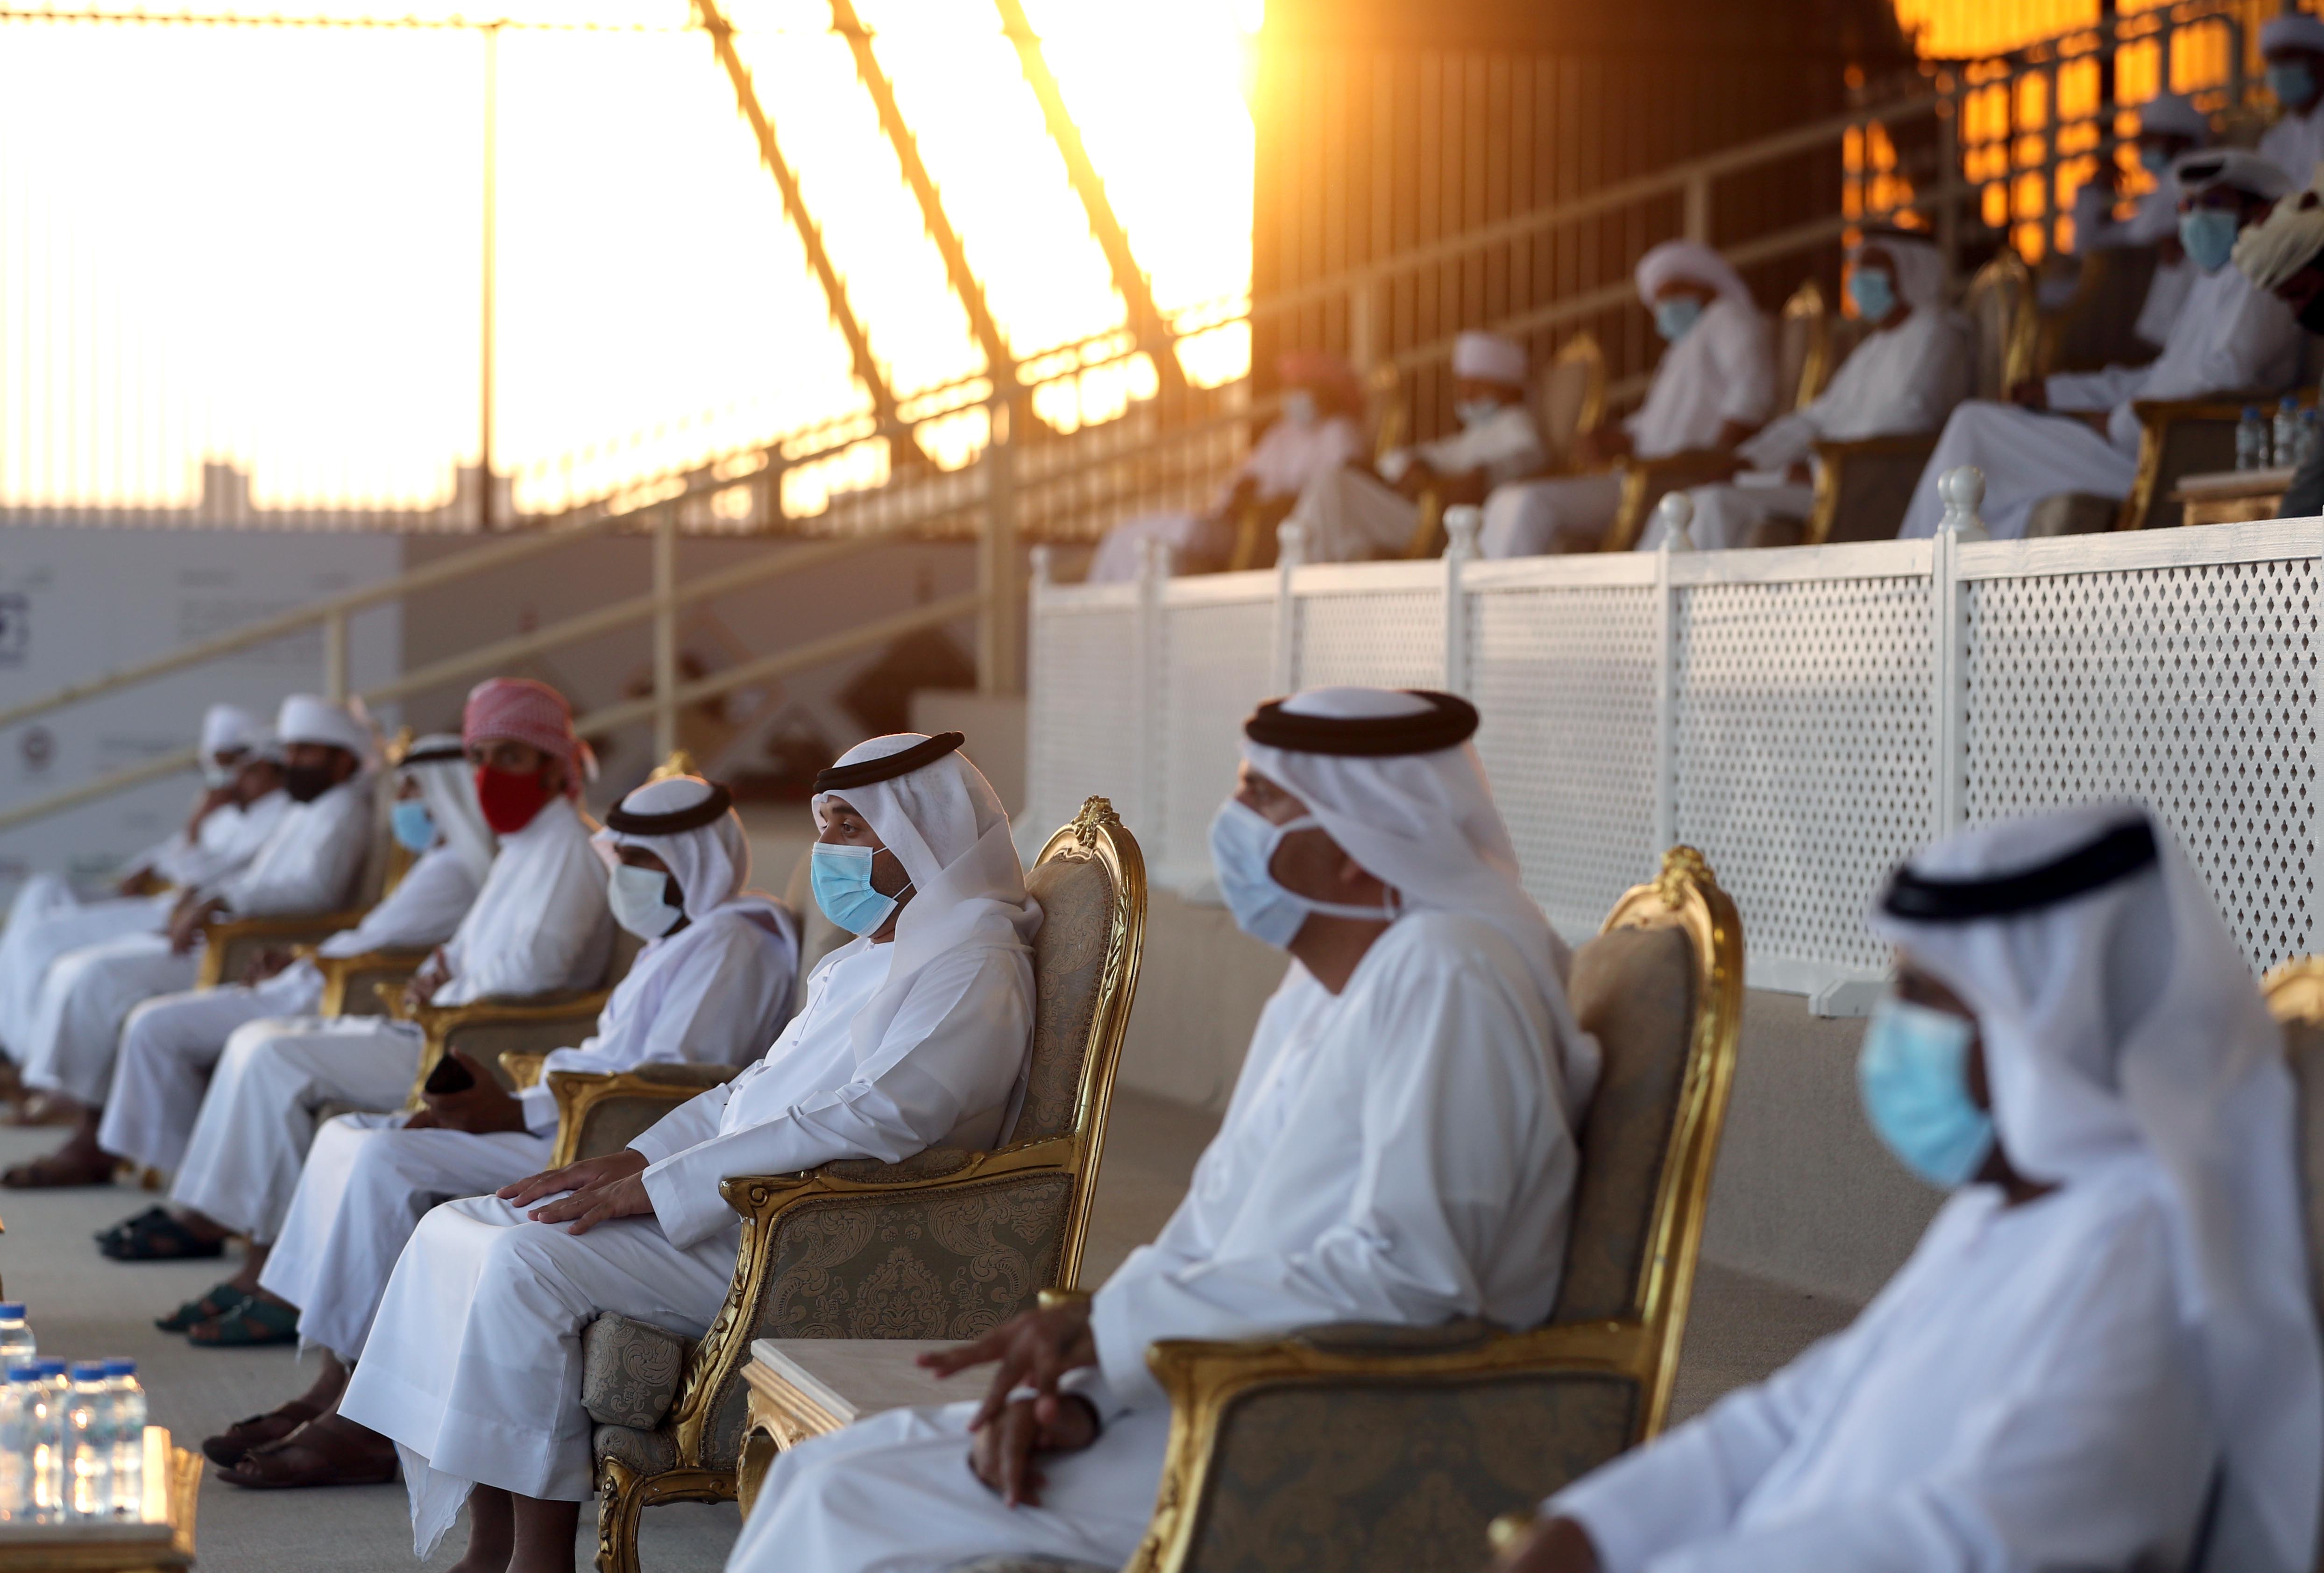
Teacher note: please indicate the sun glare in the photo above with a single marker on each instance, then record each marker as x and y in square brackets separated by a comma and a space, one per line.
[260, 245]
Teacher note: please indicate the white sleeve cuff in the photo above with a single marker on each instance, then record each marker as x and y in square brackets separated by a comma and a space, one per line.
[539, 1105]
[1121, 1348]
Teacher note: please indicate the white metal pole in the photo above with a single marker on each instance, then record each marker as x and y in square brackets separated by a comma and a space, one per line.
[1290, 547]
[1461, 523]
[999, 667]
[665, 632]
[335, 657]
[1676, 509]
[1962, 490]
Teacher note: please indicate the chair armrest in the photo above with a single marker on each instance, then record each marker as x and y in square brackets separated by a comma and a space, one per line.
[600, 1112]
[1864, 485]
[1349, 1425]
[549, 1020]
[352, 985]
[521, 1068]
[1645, 480]
[229, 943]
[2169, 446]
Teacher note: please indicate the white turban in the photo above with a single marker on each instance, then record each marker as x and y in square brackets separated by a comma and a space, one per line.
[2292, 29]
[2287, 240]
[2211, 168]
[2174, 115]
[228, 727]
[944, 823]
[711, 861]
[1490, 358]
[1426, 824]
[448, 785]
[2124, 1019]
[1692, 263]
[306, 719]
[1918, 264]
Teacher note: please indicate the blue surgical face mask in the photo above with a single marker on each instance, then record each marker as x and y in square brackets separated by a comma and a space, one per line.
[640, 898]
[1243, 846]
[1914, 1074]
[2156, 161]
[842, 888]
[1672, 318]
[413, 827]
[1299, 407]
[2208, 234]
[1874, 292]
[2292, 82]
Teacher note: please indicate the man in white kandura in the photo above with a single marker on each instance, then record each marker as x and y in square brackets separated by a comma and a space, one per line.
[242, 798]
[2229, 338]
[539, 925]
[2102, 1354]
[310, 862]
[1904, 376]
[1400, 1149]
[711, 987]
[1349, 514]
[2169, 127]
[1715, 386]
[2292, 45]
[914, 1033]
[170, 1043]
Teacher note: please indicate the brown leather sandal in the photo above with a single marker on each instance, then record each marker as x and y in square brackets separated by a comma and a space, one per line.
[58, 1171]
[303, 1459]
[228, 1446]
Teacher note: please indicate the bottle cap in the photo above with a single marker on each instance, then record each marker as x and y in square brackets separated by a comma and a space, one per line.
[12, 1310]
[52, 1368]
[89, 1370]
[30, 1370]
[120, 1367]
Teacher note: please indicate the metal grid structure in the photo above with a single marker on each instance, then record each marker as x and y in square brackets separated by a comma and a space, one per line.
[1804, 717]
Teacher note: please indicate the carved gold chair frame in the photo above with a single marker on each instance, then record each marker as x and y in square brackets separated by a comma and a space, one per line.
[712, 1380]
[1206, 1380]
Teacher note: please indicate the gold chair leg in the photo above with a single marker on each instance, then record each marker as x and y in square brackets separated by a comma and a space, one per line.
[621, 1502]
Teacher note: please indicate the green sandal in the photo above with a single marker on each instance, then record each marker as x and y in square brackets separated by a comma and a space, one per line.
[221, 1300]
[250, 1325]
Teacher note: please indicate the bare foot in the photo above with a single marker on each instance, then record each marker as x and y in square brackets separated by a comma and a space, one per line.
[492, 1533]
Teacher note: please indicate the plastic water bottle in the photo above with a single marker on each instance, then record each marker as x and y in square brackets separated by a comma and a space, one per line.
[19, 1398]
[88, 1442]
[2308, 432]
[2285, 447]
[17, 1346]
[2251, 440]
[128, 1438]
[48, 1392]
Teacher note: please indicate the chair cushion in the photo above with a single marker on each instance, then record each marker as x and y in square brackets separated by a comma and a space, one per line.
[1077, 900]
[2304, 1044]
[630, 1371]
[649, 1452]
[1634, 989]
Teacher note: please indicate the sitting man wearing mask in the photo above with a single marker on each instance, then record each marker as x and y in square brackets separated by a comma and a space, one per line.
[1320, 429]
[710, 986]
[170, 1043]
[1904, 376]
[1400, 1149]
[2102, 1354]
[2169, 127]
[242, 798]
[311, 862]
[2285, 255]
[1715, 384]
[2230, 339]
[2292, 45]
[538, 926]
[1350, 515]
[914, 1034]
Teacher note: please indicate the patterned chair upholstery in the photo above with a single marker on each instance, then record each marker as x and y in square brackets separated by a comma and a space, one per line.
[943, 1245]
[2295, 993]
[1347, 1449]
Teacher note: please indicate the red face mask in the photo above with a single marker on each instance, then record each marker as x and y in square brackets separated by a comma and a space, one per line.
[509, 801]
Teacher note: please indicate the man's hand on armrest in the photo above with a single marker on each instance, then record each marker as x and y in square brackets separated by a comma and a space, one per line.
[1003, 1452]
[187, 918]
[1035, 1348]
[1554, 1545]
[627, 1163]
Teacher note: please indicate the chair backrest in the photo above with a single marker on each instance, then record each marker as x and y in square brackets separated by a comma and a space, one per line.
[1570, 396]
[1091, 882]
[2098, 327]
[2004, 319]
[1662, 988]
[1804, 357]
[2295, 993]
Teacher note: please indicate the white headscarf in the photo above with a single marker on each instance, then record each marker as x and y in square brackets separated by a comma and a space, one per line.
[1918, 265]
[2122, 1020]
[1697, 264]
[307, 718]
[711, 862]
[2287, 240]
[1426, 824]
[448, 785]
[944, 823]
[229, 726]
[2174, 114]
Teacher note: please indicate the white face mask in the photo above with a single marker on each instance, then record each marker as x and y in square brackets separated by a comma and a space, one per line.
[1242, 847]
[1474, 412]
[636, 896]
[215, 775]
[1299, 407]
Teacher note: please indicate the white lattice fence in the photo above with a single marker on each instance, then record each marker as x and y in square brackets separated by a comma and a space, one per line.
[1217, 655]
[1084, 717]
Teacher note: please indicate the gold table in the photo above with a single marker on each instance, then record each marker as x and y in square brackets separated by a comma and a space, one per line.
[161, 1542]
[804, 1387]
[2233, 496]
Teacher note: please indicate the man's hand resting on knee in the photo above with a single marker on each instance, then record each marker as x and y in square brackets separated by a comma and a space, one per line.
[1003, 1452]
[602, 1188]
[1035, 1348]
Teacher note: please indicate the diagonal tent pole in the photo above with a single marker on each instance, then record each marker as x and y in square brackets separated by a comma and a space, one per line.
[1146, 324]
[859, 347]
[1001, 365]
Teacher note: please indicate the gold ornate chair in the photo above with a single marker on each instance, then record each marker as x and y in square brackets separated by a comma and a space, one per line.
[2006, 320]
[2098, 326]
[1569, 399]
[1647, 482]
[1804, 357]
[1864, 485]
[229, 944]
[943, 1245]
[355, 985]
[2295, 994]
[1345, 1449]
